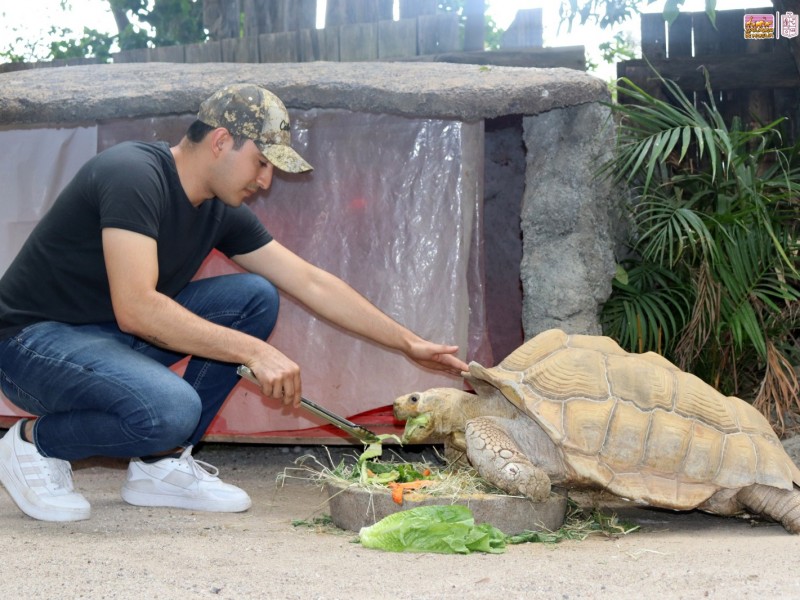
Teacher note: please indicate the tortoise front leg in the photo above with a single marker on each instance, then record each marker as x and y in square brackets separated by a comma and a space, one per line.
[499, 460]
[455, 449]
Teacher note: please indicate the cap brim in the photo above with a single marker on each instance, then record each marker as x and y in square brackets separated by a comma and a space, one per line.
[284, 158]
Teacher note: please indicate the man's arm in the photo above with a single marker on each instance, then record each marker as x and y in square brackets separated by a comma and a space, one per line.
[334, 300]
[132, 265]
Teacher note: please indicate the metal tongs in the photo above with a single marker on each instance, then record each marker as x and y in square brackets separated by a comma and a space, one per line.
[357, 431]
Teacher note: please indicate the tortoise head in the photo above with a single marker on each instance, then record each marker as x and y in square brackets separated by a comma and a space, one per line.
[435, 411]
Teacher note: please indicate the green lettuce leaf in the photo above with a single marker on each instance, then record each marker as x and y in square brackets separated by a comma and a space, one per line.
[415, 423]
[448, 529]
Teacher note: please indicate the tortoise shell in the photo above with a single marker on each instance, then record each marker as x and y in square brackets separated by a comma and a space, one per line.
[637, 425]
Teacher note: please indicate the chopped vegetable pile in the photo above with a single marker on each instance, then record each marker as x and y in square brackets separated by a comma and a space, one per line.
[399, 477]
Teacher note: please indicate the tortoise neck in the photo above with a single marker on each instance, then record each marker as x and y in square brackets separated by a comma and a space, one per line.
[468, 406]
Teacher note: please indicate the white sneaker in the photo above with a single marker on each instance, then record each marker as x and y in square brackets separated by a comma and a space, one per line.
[182, 483]
[41, 486]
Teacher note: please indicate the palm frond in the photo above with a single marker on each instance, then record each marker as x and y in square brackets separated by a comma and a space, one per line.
[716, 235]
[648, 311]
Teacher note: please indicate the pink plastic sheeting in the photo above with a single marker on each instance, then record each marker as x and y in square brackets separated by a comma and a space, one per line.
[393, 207]
[35, 165]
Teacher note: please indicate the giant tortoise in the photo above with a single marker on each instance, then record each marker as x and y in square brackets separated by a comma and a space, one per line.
[577, 411]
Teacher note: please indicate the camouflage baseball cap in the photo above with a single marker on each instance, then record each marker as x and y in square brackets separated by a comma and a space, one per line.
[251, 111]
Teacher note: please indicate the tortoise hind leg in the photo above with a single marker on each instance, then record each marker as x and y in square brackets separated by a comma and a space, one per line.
[499, 460]
[779, 505]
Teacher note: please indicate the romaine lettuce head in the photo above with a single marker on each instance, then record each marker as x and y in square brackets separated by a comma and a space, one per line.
[448, 529]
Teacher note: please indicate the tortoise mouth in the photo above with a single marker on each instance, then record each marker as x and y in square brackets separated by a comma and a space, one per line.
[418, 428]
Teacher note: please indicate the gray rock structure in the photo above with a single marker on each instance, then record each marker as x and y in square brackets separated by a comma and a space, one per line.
[568, 259]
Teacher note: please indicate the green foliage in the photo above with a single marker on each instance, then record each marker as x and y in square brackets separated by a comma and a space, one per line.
[492, 34]
[713, 274]
[142, 24]
[618, 48]
[608, 13]
[578, 525]
[93, 43]
[160, 22]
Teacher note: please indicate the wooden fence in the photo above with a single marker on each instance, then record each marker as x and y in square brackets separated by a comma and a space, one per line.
[382, 40]
[756, 80]
[438, 37]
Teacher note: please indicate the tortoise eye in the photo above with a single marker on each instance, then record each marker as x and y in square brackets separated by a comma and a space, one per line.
[413, 398]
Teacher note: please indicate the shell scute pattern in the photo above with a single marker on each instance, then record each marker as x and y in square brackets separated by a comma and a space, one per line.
[697, 400]
[626, 439]
[569, 374]
[648, 388]
[704, 455]
[738, 466]
[587, 422]
[636, 424]
[529, 354]
[667, 442]
[772, 468]
[550, 416]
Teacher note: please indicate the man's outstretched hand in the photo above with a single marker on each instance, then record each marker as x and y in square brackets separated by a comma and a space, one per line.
[438, 357]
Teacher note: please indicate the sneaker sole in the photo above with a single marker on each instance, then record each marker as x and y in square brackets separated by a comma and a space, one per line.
[166, 501]
[30, 508]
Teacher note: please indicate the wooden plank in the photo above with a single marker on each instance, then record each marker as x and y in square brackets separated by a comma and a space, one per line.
[17, 66]
[73, 62]
[731, 103]
[437, 34]
[350, 12]
[569, 57]
[204, 52]
[679, 36]
[654, 36]
[289, 15]
[707, 38]
[278, 47]
[730, 24]
[221, 18]
[411, 9]
[397, 39]
[525, 31]
[329, 44]
[475, 24]
[173, 54]
[253, 17]
[135, 55]
[305, 14]
[787, 103]
[729, 72]
[240, 50]
[307, 45]
[358, 42]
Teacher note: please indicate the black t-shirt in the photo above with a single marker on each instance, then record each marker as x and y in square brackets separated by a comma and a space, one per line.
[59, 274]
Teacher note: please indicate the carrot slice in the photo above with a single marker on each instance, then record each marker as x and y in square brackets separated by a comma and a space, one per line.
[397, 493]
[398, 489]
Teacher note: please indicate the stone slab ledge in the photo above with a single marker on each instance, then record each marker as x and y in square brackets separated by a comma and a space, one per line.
[92, 93]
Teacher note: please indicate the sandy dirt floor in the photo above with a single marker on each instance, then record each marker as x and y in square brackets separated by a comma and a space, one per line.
[129, 552]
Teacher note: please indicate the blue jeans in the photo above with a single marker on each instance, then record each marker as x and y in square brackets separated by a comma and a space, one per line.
[100, 392]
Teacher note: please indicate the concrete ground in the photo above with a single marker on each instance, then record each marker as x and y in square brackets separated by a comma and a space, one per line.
[128, 552]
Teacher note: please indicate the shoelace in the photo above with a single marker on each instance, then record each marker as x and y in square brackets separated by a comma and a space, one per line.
[202, 469]
[58, 475]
